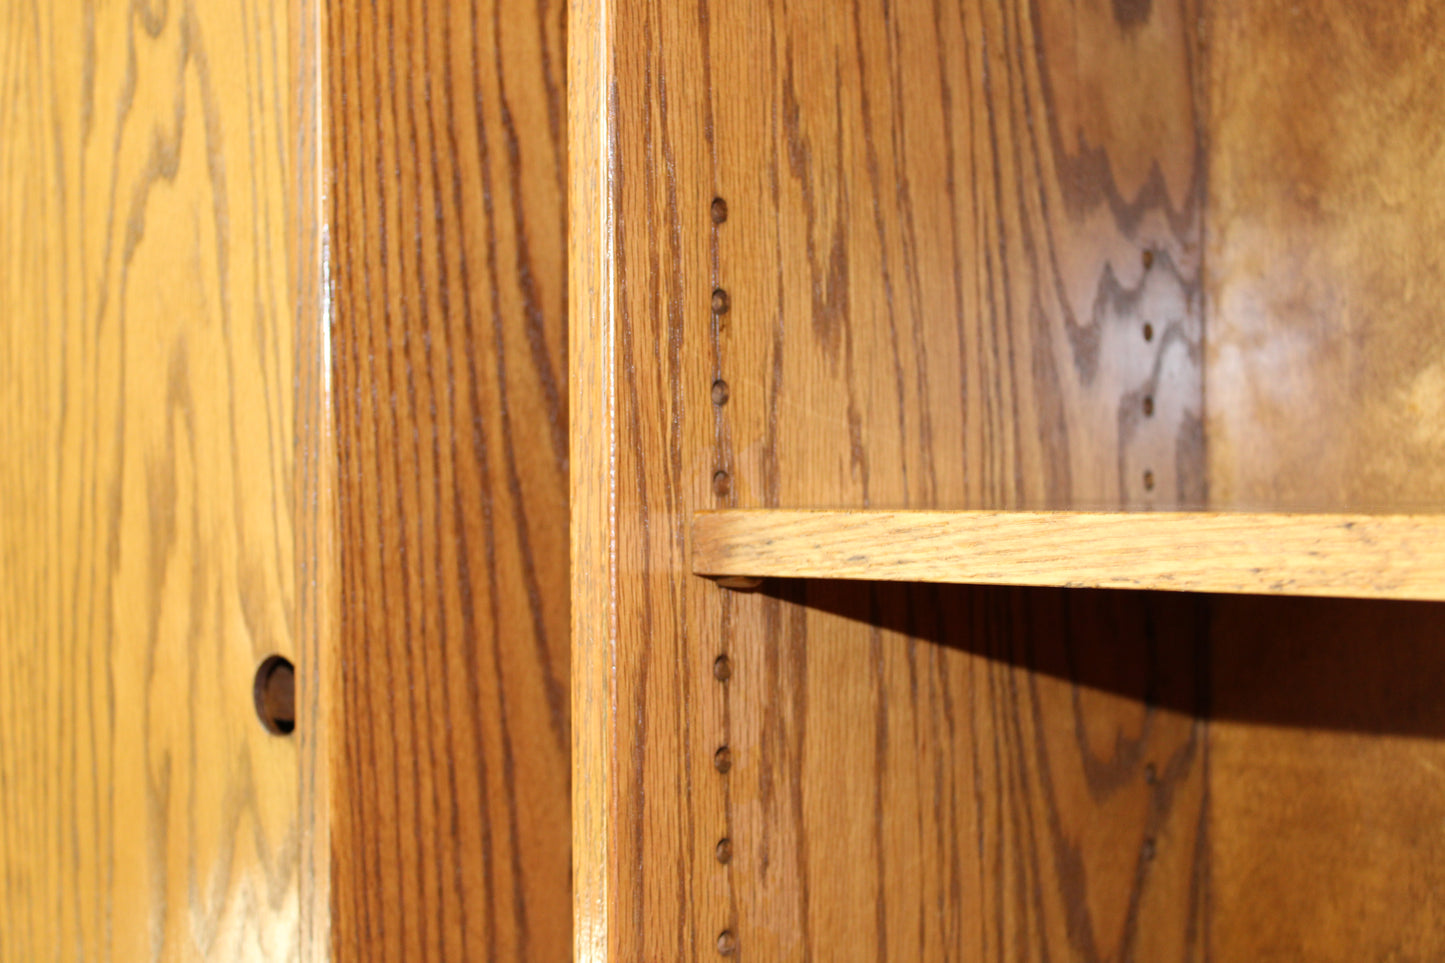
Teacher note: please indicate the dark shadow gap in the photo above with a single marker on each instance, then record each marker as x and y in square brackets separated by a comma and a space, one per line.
[1352, 665]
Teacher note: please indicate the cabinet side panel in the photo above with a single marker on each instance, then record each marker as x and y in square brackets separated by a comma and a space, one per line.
[449, 791]
[147, 528]
[1326, 390]
[886, 255]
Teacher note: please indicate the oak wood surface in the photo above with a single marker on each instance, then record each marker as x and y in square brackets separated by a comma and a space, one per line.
[449, 738]
[313, 483]
[896, 256]
[592, 479]
[148, 536]
[1354, 556]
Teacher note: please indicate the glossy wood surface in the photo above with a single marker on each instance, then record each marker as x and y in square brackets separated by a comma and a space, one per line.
[313, 482]
[1354, 556]
[905, 256]
[449, 739]
[148, 533]
[592, 479]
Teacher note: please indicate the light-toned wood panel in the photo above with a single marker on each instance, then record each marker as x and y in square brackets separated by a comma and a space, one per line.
[1326, 368]
[449, 783]
[313, 483]
[1354, 556]
[147, 528]
[592, 477]
[880, 255]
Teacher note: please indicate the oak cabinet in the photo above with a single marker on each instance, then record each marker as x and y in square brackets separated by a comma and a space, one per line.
[682, 480]
[1080, 301]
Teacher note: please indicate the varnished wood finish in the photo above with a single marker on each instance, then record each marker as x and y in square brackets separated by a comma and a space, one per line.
[945, 231]
[1326, 780]
[1354, 556]
[592, 482]
[1326, 362]
[148, 535]
[313, 483]
[1326, 381]
[449, 786]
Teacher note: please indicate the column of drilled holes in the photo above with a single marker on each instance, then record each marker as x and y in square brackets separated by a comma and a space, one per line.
[1148, 258]
[722, 669]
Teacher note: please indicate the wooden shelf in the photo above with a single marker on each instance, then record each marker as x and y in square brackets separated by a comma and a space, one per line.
[1357, 556]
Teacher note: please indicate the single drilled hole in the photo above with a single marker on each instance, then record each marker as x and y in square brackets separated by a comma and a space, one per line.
[1148, 849]
[720, 301]
[1148, 259]
[719, 210]
[724, 851]
[274, 693]
[1149, 406]
[1151, 775]
[1148, 331]
[726, 943]
[1148, 481]
[722, 483]
[723, 759]
[722, 668]
[719, 392]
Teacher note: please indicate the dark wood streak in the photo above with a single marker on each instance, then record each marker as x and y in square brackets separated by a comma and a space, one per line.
[451, 834]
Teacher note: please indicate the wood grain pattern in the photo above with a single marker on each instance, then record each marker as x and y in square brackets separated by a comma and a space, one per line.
[313, 483]
[592, 479]
[1353, 556]
[959, 772]
[449, 782]
[941, 234]
[147, 529]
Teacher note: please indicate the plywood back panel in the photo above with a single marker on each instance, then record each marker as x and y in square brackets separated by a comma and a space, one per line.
[449, 721]
[1326, 347]
[1326, 363]
[1326, 780]
[148, 537]
[878, 255]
